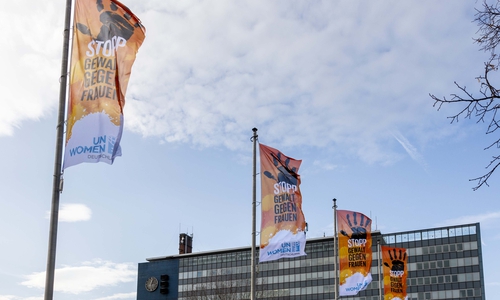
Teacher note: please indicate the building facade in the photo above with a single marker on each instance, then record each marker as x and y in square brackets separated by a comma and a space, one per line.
[443, 263]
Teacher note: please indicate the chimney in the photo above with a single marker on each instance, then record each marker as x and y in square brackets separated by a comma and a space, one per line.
[185, 243]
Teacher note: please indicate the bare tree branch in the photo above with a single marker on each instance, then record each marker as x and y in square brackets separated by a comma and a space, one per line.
[484, 107]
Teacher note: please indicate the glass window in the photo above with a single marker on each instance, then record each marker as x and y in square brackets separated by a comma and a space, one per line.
[465, 230]
[411, 237]
[437, 234]
[444, 233]
[404, 237]
[439, 249]
[477, 292]
[424, 235]
[451, 232]
[463, 294]
[417, 236]
[445, 248]
[398, 238]
[431, 234]
[458, 231]
[472, 229]
[459, 247]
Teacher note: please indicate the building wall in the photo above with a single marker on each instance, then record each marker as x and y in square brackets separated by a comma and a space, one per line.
[155, 269]
[443, 263]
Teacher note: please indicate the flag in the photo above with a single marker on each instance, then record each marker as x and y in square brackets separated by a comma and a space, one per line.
[355, 252]
[395, 272]
[282, 224]
[107, 36]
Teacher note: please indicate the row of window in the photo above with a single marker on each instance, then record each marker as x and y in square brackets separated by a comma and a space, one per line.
[452, 294]
[307, 262]
[442, 248]
[430, 234]
[466, 277]
[216, 258]
[449, 294]
[287, 267]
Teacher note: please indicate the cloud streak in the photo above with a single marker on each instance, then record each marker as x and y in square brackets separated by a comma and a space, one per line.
[85, 277]
[410, 149]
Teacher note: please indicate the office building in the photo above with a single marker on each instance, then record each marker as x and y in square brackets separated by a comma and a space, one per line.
[443, 263]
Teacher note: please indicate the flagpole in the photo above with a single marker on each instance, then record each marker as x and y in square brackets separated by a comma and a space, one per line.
[335, 243]
[56, 186]
[254, 209]
[380, 273]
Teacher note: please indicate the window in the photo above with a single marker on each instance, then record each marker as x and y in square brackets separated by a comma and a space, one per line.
[472, 229]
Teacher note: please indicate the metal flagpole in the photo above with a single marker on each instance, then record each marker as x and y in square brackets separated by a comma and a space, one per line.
[380, 273]
[335, 244]
[254, 205]
[56, 186]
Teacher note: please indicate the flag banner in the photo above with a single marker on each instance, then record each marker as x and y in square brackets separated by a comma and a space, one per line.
[355, 252]
[107, 36]
[395, 273]
[282, 223]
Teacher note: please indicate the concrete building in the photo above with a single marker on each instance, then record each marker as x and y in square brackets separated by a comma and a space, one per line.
[443, 263]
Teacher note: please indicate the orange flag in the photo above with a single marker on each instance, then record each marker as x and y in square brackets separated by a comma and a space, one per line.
[355, 251]
[395, 272]
[282, 223]
[107, 36]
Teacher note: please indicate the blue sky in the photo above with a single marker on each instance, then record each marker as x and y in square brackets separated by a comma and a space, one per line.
[342, 85]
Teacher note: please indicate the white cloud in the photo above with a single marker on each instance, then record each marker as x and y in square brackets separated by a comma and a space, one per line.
[120, 296]
[73, 212]
[487, 219]
[86, 277]
[324, 165]
[317, 74]
[11, 297]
